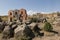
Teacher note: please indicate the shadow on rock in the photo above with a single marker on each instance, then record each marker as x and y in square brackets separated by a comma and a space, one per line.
[8, 32]
[54, 32]
[37, 30]
[28, 32]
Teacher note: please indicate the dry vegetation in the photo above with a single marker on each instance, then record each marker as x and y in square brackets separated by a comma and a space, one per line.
[4, 18]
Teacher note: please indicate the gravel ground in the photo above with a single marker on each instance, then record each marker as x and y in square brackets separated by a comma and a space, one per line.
[47, 38]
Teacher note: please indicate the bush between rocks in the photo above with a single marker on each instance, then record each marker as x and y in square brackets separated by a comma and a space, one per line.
[48, 27]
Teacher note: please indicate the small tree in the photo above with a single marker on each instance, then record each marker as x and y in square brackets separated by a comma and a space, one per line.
[48, 27]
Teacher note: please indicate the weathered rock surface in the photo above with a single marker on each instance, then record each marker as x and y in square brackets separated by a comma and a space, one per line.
[9, 31]
[23, 32]
[2, 26]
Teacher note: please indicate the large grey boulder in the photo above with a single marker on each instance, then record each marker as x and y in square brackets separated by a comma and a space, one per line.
[2, 26]
[9, 31]
[6, 33]
[23, 32]
[36, 30]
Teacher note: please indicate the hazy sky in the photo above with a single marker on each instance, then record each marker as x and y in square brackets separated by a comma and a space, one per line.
[35, 5]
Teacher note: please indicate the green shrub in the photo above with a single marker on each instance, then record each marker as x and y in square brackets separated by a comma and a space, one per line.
[34, 20]
[48, 27]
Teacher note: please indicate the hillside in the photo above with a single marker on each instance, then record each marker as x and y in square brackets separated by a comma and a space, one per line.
[4, 18]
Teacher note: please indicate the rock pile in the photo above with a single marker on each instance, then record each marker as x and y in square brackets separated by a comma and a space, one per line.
[25, 30]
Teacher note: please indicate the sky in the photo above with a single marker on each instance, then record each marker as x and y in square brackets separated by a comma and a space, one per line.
[29, 5]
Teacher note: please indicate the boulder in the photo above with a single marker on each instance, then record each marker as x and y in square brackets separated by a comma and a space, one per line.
[6, 32]
[36, 30]
[9, 31]
[2, 26]
[32, 25]
[24, 32]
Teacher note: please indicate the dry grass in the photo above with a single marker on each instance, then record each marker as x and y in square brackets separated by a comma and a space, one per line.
[4, 18]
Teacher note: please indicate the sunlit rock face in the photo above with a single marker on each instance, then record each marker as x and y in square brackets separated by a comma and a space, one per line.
[23, 31]
[20, 15]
